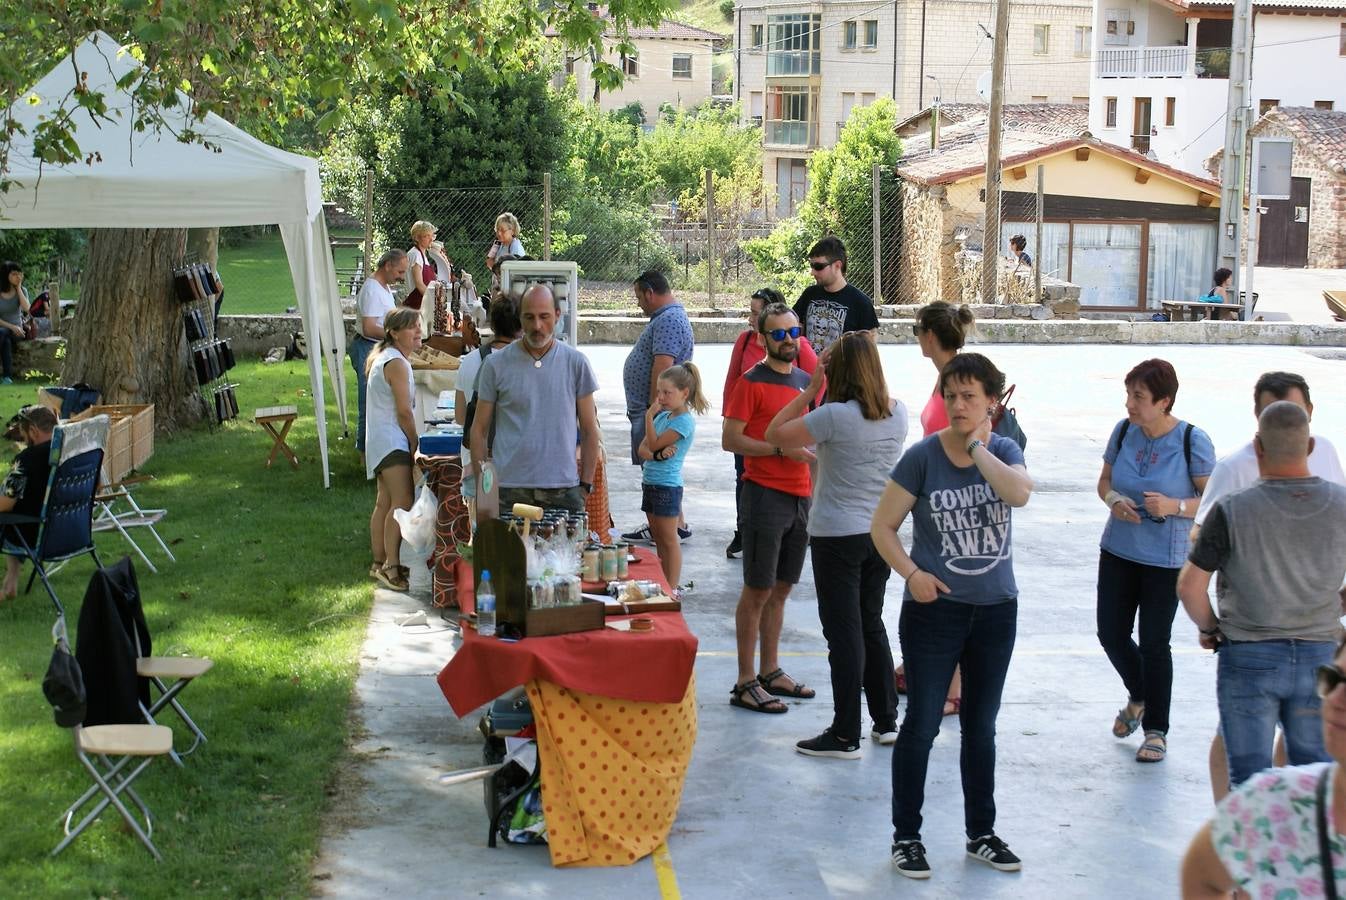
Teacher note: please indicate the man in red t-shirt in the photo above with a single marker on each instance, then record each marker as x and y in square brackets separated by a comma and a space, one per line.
[774, 517]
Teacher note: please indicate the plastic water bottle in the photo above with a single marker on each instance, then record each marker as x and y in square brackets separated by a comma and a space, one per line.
[485, 606]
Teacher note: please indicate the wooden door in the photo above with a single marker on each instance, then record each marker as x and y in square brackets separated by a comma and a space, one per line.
[1140, 125]
[1283, 235]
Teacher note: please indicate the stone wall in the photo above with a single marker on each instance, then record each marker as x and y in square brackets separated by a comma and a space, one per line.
[1327, 202]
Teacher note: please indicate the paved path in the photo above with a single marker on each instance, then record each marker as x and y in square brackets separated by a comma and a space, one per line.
[757, 818]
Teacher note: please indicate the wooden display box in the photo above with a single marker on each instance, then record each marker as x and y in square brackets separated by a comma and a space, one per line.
[451, 344]
[499, 550]
[130, 440]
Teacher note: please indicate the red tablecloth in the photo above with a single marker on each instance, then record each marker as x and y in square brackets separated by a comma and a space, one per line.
[652, 666]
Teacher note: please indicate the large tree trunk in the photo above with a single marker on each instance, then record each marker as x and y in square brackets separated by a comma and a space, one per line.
[127, 336]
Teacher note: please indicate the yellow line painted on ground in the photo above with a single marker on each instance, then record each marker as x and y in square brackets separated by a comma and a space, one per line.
[663, 871]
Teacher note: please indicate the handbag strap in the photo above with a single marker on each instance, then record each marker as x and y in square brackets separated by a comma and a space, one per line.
[1324, 844]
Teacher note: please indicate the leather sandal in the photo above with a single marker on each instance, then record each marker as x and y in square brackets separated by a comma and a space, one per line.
[762, 702]
[392, 578]
[1154, 749]
[798, 689]
[1124, 726]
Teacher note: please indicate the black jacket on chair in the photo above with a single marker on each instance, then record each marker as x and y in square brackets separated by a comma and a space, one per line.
[109, 622]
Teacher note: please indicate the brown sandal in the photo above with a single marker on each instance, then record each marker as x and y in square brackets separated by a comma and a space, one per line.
[392, 578]
[761, 701]
[797, 689]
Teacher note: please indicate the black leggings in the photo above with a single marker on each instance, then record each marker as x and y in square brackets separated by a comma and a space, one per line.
[7, 341]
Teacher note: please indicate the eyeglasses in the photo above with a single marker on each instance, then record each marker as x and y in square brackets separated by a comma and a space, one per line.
[1328, 678]
[819, 266]
[778, 334]
[917, 330]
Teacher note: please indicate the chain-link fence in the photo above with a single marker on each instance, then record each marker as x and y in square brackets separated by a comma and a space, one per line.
[908, 242]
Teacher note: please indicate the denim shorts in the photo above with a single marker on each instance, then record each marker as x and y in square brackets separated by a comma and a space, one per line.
[661, 500]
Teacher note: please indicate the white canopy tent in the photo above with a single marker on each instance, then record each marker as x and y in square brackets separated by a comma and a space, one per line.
[153, 180]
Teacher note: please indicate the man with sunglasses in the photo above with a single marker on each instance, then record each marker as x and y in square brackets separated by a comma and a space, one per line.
[25, 486]
[831, 307]
[1280, 549]
[773, 521]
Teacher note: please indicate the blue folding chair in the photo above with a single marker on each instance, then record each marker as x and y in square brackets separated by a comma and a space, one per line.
[65, 526]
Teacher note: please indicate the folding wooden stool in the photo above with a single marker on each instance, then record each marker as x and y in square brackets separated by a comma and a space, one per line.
[125, 743]
[271, 416]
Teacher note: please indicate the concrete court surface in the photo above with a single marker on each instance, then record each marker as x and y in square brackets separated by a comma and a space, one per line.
[757, 819]
[1296, 295]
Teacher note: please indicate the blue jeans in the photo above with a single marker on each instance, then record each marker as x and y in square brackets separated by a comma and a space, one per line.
[936, 637]
[359, 352]
[1260, 683]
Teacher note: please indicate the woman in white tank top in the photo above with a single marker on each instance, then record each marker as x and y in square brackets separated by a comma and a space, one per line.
[390, 439]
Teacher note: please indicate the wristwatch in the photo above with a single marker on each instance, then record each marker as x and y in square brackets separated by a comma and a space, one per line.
[588, 488]
[1182, 507]
[778, 451]
[973, 446]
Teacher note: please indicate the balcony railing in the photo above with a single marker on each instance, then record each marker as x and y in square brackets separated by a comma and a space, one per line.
[1144, 62]
[792, 134]
[793, 62]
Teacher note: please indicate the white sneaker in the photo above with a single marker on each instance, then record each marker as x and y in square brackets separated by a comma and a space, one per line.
[884, 737]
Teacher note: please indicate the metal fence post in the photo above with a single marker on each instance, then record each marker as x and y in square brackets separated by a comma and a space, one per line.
[711, 260]
[878, 239]
[546, 216]
[369, 223]
[1037, 244]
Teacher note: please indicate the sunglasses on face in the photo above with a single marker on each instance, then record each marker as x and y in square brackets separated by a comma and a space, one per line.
[778, 334]
[1328, 678]
[819, 266]
[917, 330]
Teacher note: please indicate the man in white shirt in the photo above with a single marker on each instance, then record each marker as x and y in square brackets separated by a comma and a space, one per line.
[374, 302]
[1238, 471]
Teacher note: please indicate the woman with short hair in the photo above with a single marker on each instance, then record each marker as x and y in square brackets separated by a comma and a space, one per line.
[960, 604]
[1155, 467]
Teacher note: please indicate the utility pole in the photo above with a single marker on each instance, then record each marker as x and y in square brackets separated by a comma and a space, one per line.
[1233, 165]
[990, 251]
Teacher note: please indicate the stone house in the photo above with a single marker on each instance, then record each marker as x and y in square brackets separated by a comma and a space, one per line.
[1129, 231]
[1309, 229]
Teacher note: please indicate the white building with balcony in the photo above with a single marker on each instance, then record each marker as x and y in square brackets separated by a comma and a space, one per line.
[1160, 79]
[802, 67]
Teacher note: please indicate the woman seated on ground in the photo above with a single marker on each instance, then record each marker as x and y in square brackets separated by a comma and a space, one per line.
[13, 307]
[390, 440]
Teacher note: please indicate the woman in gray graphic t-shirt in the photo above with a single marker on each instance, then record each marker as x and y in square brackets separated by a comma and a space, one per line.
[961, 603]
[13, 306]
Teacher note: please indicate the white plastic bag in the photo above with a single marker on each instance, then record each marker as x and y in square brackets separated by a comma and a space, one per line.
[420, 581]
[418, 523]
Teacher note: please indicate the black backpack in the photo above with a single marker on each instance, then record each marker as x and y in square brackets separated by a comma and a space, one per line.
[1186, 442]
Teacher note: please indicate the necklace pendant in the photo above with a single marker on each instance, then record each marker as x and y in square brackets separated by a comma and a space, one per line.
[537, 364]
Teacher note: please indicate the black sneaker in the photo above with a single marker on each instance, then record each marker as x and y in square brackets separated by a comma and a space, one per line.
[909, 858]
[684, 534]
[735, 548]
[641, 535]
[828, 744]
[992, 850]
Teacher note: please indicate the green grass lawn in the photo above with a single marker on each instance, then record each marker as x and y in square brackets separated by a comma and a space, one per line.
[256, 274]
[271, 584]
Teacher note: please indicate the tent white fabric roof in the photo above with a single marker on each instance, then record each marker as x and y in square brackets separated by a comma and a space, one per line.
[151, 179]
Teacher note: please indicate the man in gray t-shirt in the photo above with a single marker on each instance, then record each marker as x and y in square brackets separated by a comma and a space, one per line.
[1280, 549]
[540, 393]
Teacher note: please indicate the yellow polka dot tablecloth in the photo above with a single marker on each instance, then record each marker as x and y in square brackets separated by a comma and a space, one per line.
[612, 772]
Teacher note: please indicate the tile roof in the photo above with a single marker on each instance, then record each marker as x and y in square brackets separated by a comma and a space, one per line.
[1322, 132]
[1067, 118]
[1265, 4]
[962, 154]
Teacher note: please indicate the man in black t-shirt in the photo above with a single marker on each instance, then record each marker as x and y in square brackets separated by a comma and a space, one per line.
[831, 307]
[25, 486]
